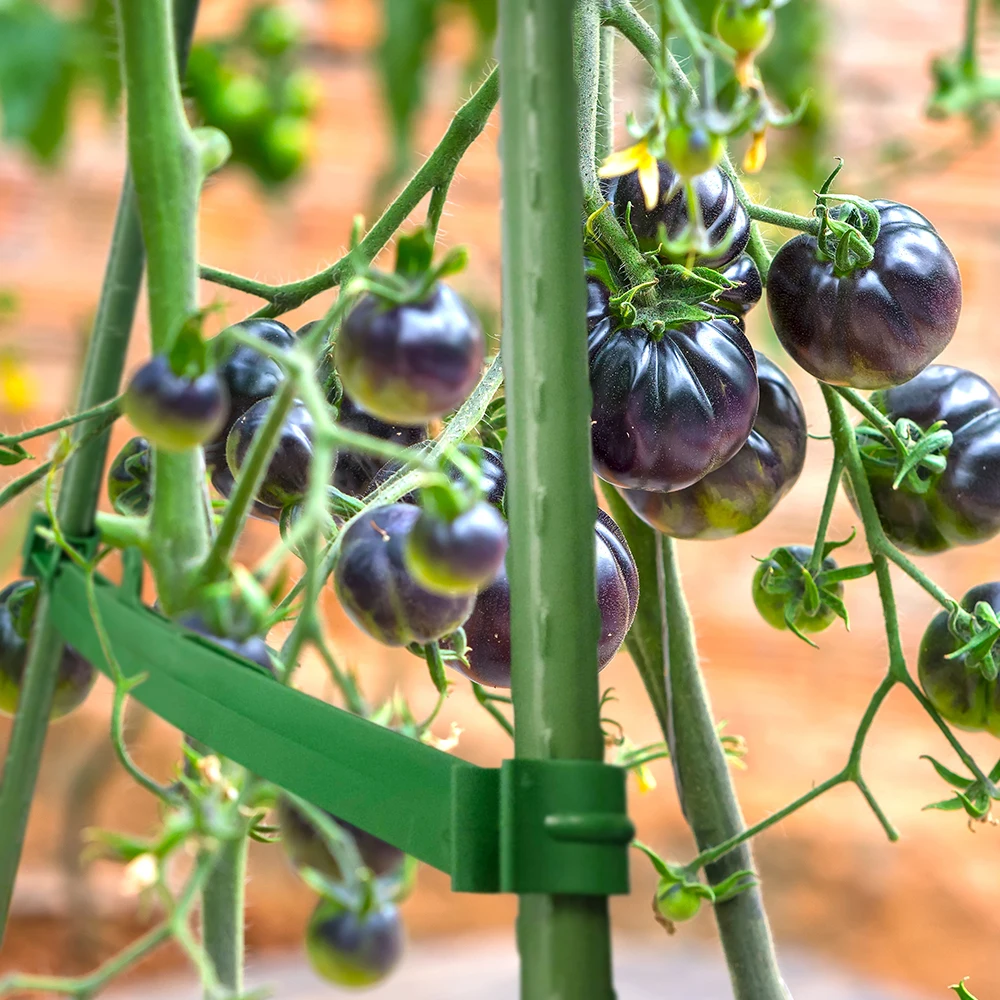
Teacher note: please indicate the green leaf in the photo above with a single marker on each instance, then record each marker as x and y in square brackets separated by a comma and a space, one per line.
[36, 75]
[945, 773]
[101, 24]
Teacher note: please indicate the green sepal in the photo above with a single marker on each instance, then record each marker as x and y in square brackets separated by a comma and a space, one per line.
[732, 886]
[190, 354]
[12, 452]
[961, 990]
[947, 774]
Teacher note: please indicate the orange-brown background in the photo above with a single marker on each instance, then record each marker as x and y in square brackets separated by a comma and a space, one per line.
[920, 912]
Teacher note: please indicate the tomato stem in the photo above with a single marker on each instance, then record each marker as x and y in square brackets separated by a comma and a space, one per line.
[832, 488]
[786, 220]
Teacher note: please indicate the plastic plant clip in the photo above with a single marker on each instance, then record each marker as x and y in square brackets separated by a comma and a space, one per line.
[530, 826]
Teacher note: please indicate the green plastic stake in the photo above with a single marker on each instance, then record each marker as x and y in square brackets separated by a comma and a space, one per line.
[564, 939]
[530, 826]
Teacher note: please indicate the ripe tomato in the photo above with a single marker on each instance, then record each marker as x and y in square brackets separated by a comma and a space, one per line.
[76, 675]
[287, 476]
[173, 411]
[726, 221]
[487, 629]
[409, 364]
[667, 411]
[378, 592]
[748, 292]
[879, 325]
[306, 849]
[458, 556]
[351, 949]
[962, 506]
[740, 494]
[957, 688]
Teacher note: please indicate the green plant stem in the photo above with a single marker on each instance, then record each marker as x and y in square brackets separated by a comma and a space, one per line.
[436, 172]
[564, 940]
[916, 574]
[120, 531]
[847, 447]
[871, 413]
[248, 483]
[222, 913]
[967, 57]
[832, 488]
[786, 220]
[709, 799]
[108, 407]
[605, 133]
[165, 160]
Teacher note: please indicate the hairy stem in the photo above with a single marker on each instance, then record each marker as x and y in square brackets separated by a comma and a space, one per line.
[222, 914]
[709, 799]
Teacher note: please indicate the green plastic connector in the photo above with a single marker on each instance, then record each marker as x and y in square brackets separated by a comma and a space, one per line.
[531, 826]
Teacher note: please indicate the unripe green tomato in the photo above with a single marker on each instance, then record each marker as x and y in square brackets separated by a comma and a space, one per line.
[676, 902]
[274, 29]
[772, 606]
[693, 151]
[746, 29]
[301, 93]
[287, 144]
[240, 103]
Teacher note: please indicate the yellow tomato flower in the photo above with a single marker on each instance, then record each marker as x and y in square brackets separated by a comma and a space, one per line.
[756, 153]
[641, 160]
[18, 389]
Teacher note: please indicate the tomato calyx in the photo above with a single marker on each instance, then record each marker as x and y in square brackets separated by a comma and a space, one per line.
[977, 632]
[916, 457]
[847, 233]
[415, 274]
[21, 603]
[679, 893]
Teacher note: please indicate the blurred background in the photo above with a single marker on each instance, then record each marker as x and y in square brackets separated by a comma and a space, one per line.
[368, 90]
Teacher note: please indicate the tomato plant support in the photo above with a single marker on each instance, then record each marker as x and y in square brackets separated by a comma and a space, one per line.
[563, 940]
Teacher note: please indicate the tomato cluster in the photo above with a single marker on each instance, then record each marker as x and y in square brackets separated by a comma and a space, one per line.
[249, 88]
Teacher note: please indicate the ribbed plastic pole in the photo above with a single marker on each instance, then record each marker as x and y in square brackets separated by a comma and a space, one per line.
[563, 940]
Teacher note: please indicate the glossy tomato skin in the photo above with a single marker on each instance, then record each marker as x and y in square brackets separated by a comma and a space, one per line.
[249, 376]
[224, 483]
[252, 648]
[740, 494]
[409, 364]
[76, 675]
[487, 630]
[962, 507]
[748, 290]
[129, 478]
[287, 476]
[459, 556]
[173, 411]
[772, 606]
[349, 949]
[956, 688]
[378, 592]
[668, 411]
[880, 325]
[305, 847]
[355, 472]
[721, 212]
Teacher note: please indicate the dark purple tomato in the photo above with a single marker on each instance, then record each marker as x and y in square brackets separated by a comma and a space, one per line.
[172, 411]
[459, 556]
[378, 592]
[249, 376]
[355, 471]
[749, 289]
[306, 848]
[409, 364]
[76, 675]
[740, 494]
[351, 949]
[224, 483]
[249, 647]
[287, 476]
[772, 606]
[962, 506]
[667, 411]
[878, 326]
[129, 485]
[957, 688]
[487, 630]
[726, 221]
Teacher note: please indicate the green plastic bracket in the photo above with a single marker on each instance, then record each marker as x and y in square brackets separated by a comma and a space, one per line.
[531, 826]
